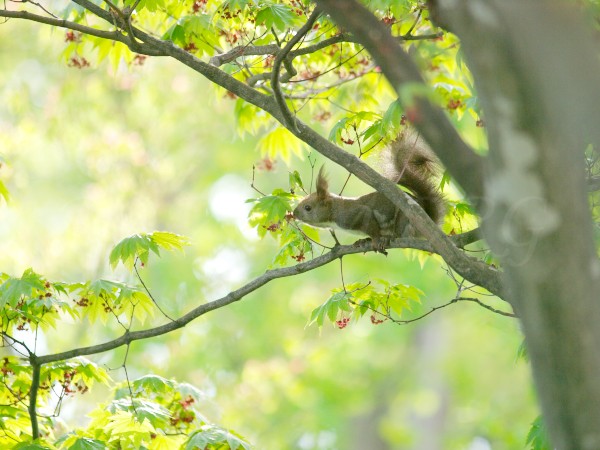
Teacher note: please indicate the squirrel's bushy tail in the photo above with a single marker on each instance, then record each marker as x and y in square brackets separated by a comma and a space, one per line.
[413, 165]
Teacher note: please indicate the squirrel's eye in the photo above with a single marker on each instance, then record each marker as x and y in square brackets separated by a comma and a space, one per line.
[307, 208]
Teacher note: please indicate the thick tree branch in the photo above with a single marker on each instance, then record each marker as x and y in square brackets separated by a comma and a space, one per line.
[234, 296]
[243, 50]
[33, 391]
[467, 267]
[460, 160]
[475, 271]
[273, 49]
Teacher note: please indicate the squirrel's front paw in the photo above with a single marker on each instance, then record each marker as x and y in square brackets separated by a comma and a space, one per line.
[362, 242]
[380, 243]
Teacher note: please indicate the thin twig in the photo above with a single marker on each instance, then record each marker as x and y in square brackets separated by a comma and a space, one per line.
[279, 58]
[127, 378]
[437, 308]
[21, 343]
[35, 4]
[252, 185]
[148, 291]
[412, 27]
[488, 307]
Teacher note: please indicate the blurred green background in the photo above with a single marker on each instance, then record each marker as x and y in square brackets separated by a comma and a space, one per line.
[94, 155]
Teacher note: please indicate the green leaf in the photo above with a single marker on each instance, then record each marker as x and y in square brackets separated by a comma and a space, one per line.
[280, 142]
[339, 301]
[129, 249]
[31, 446]
[91, 372]
[13, 289]
[335, 134]
[139, 246]
[269, 211]
[522, 352]
[392, 118]
[410, 92]
[153, 383]
[400, 297]
[196, 24]
[188, 390]
[374, 132]
[212, 435]
[351, 122]
[249, 118]
[276, 15]
[236, 4]
[169, 241]
[155, 413]
[537, 438]
[105, 287]
[150, 5]
[175, 34]
[446, 178]
[4, 192]
[293, 245]
[295, 181]
[83, 443]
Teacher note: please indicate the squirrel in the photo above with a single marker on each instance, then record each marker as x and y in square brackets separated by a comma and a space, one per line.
[410, 164]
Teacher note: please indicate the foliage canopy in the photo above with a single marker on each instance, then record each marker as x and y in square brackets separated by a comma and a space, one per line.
[294, 76]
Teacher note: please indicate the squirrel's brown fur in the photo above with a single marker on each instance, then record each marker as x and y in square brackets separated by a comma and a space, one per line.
[413, 165]
[409, 164]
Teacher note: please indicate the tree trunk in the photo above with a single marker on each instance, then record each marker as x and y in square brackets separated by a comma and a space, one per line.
[536, 72]
[539, 93]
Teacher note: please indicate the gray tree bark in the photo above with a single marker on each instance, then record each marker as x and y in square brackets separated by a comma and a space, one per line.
[539, 92]
[537, 74]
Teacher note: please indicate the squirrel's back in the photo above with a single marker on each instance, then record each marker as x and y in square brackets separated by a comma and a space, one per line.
[413, 165]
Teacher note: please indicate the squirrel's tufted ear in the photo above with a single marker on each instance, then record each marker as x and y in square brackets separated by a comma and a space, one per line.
[322, 183]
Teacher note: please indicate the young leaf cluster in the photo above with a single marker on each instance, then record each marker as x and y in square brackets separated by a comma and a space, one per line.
[32, 303]
[355, 300]
[162, 414]
[56, 382]
[138, 247]
[150, 412]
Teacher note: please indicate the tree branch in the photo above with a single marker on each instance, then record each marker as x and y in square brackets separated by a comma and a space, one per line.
[234, 296]
[475, 271]
[243, 50]
[451, 302]
[467, 267]
[36, 4]
[95, 9]
[460, 160]
[288, 117]
[273, 49]
[33, 391]
[62, 23]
